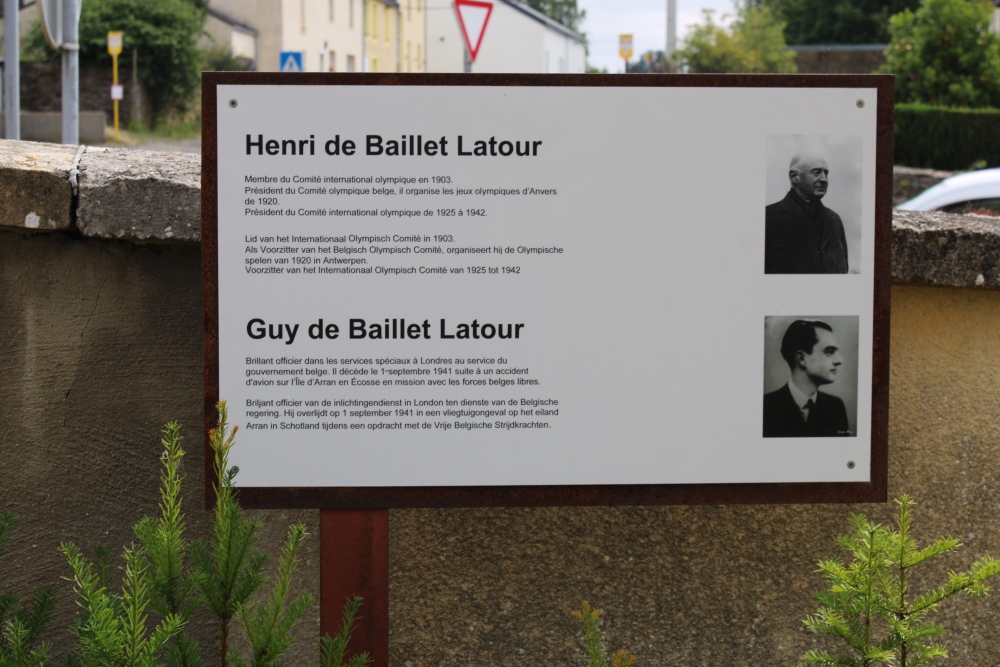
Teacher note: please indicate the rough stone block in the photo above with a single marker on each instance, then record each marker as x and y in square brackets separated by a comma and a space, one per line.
[140, 195]
[34, 186]
[946, 249]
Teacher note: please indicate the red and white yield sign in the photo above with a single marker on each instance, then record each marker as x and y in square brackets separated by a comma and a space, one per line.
[472, 17]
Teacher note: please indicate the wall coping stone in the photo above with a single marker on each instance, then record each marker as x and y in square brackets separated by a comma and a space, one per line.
[154, 197]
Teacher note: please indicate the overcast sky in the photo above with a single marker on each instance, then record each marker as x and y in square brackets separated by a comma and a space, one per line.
[645, 19]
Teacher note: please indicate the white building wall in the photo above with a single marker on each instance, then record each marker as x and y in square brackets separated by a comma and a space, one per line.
[514, 42]
[323, 26]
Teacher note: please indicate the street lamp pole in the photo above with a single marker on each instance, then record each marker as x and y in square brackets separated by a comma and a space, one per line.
[671, 30]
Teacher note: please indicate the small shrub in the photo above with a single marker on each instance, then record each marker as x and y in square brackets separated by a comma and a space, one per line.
[166, 580]
[870, 607]
[220, 58]
[947, 138]
[593, 640]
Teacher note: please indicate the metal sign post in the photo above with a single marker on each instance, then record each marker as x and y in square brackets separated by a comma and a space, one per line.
[473, 16]
[61, 24]
[625, 49]
[12, 71]
[115, 48]
[71, 72]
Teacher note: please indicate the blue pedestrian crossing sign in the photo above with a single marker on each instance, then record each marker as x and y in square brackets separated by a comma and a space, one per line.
[290, 61]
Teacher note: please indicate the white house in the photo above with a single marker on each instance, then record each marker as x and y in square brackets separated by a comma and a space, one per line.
[517, 39]
[329, 33]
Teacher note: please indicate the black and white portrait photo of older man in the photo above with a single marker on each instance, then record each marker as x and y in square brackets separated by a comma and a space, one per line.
[803, 231]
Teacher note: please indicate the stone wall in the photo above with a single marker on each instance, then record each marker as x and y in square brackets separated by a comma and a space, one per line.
[41, 90]
[836, 59]
[101, 318]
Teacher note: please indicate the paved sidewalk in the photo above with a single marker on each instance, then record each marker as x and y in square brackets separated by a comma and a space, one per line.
[192, 145]
[148, 143]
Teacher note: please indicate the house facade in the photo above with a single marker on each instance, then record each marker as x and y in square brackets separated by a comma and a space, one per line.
[381, 36]
[328, 33]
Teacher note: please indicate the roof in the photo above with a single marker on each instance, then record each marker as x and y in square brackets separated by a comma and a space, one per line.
[230, 21]
[545, 20]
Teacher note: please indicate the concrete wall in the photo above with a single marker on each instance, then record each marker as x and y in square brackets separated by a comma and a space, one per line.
[47, 126]
[839, 59]
[100, 318]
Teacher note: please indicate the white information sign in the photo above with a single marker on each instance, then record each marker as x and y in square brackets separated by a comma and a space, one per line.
[487, 286]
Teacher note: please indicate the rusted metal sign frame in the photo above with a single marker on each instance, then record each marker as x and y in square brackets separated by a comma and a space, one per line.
[875, 490]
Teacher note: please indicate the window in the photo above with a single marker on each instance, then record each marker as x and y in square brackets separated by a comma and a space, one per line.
[331, 10]
[350, 12]
[408, 68]
[374, 64]
[302, 15]
[350, 63]
[420, 60]
[386, 13]
[333, 61]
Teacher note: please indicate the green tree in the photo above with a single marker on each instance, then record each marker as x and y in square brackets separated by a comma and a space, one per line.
[837, 21]
[944, 54]
[164, 32]
[753, 44]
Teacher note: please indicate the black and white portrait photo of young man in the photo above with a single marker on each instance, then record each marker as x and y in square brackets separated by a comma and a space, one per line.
[816, 396]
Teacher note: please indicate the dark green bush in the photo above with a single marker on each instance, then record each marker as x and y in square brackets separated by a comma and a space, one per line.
[164, 32]
[945, 138]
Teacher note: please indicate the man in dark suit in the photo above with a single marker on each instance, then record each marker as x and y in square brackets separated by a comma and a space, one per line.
[800, 234]
[799, 409]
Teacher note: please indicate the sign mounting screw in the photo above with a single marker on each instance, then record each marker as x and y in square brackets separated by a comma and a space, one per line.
[850, 465]
[861, 104]
[233, 104]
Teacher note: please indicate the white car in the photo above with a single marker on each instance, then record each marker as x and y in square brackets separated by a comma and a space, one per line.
[960, 193]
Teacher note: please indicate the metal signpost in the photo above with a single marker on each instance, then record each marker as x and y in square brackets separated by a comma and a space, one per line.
[406, 308]
[12, 71]
[290, 62]
[625, 49]
[61, 24]
[473, 16]
[115, 49]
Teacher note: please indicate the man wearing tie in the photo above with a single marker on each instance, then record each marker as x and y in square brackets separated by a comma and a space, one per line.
[799, 409]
